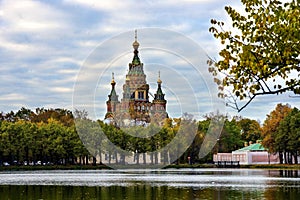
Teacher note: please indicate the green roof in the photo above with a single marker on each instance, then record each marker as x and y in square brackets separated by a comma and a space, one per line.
[253, 147]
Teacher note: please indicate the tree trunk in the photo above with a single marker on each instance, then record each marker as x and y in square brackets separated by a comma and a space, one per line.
[121, 160]
[151, 157]
[285, 158]
[86, 159]
[296, 158]
[116, 157]
[100, 158]
[290, 158]
[280, 157]
[94, 161]
[164, 157]
[137, 158]
[109, 157]
[144, 158]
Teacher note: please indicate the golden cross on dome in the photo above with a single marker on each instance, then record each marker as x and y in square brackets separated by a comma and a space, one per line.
[158, 80]
[113, 78]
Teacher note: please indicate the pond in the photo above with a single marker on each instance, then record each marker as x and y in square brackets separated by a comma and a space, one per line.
[149, 184]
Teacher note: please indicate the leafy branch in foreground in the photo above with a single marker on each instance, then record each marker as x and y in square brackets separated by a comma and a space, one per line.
[261, 53]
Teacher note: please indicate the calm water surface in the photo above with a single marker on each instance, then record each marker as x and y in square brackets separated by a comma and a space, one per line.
[151, 184]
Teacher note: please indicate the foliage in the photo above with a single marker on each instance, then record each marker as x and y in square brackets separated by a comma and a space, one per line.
[261, 54]
[50, 136]
[250, 130]
[47, 136]
[288, 136]
[271, 125]
[230, 138]
[51, 142]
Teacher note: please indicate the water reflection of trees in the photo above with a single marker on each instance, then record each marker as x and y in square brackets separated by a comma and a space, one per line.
[136, 191]
[281, 192]
[289, 173]
[284, 189]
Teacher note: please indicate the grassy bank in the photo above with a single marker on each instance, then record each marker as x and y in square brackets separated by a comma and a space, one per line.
[54, 167]
[267, 166]
[272, 166]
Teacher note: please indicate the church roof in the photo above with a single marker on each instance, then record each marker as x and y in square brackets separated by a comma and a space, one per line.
[113, 95]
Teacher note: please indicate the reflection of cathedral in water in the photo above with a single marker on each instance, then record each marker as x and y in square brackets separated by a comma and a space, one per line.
[135, 107]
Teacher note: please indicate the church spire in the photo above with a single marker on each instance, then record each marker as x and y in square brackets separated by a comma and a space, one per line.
[159, 94]
[136, 60]
[158, 80]
[113, 79]
[113, 95]
[135, 44]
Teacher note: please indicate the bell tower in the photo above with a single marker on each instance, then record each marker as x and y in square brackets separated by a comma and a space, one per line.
[136, 85]
[112, 103]
[159, 103]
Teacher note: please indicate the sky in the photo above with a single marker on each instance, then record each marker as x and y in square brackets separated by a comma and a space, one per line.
[60, 54]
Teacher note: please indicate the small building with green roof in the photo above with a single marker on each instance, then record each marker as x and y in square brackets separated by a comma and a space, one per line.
[254, 153]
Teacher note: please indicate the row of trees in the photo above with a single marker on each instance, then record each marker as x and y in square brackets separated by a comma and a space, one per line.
[45, 142]
[51, 136]
[152, 138]
[42, 136]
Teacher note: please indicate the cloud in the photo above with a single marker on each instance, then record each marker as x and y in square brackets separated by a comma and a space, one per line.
[12, 97]
[102, 5]
[31, 17]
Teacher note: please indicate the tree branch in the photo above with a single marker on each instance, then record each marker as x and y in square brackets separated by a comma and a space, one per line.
[239, 109]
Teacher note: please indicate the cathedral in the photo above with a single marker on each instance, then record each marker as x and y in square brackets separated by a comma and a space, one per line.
[135, 107]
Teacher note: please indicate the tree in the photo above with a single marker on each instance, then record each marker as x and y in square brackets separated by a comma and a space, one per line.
[24, 114]
[192, 153]
[230, 138]
[261, 55]
[270, 129]
[62, 115]
[288, 136]
[250, 129]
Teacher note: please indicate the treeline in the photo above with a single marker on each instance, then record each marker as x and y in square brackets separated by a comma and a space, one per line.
[49, 136]
[46, 136]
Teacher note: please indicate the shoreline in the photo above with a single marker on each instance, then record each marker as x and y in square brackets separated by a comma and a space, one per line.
[181, 166]
[261, 166]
